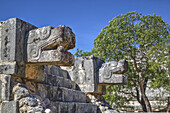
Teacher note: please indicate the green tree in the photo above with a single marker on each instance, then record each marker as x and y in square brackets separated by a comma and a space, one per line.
[144, 41]
[80, 53]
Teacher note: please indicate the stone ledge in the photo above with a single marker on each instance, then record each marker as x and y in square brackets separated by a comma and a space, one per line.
[55, 93]
[114, 79]
[74, 107]
[69, 95]
[60, 82]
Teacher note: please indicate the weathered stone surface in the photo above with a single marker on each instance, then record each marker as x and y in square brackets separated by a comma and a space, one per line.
[90, 73]
[20, 91]
[79, 96]
[31, 103]
[98, 100]
[68, 95]
[115, 67]
[35, 72]
[57, 94]
[28, 101]
[4, 87]
[12, 33]
[10, 107]
[34, 86]
[56, 71]
[86, 108]
[22, 43]
[85, 73]
[29, 109]
[63, 107]
[74, 107]
[31, 86]
[60, 82]
[13, 47]
[113, 79]
[112, 72]
[42, 42]
[41, 90]
[7, 67]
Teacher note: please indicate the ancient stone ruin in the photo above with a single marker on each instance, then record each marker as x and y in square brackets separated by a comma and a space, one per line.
[34, 79]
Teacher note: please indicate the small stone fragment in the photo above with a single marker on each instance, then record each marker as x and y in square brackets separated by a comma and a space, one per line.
[48, 110]
[28, 101]
[20, 91]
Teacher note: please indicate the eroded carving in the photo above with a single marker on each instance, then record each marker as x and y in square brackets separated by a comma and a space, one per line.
[52, 43]
[22, 43]
[90, 73]
[112, 70]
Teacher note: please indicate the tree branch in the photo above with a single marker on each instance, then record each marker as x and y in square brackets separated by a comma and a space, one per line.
[134, 61]
[135, 82]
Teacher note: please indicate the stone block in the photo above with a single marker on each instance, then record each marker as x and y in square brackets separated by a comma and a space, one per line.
[22, 43]
[112, 73]
[49, 90]
[5, 87]
[32, 86]
[35, 72]
[41, 90]
[85, 77]
[7, 68]
[72, 107]
[75, 107]
[48, 45]
[113, 79]
[93, 79]
[63, 107]
[20, 91]
[86, 108]
[67, 95]
[69, 84]
[52, 70]
[56, 70]
[10, 107]
[57, 94]
[60, 81]
[88, 88]
[79, 96]
[13, 49]
[51, 80]
[13, 32]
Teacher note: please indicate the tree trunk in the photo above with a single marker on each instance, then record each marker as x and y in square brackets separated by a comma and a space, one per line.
[141, 101]
[143, 105]
[143, 95]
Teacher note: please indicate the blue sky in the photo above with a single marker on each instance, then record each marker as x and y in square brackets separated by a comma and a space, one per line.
[85, 17]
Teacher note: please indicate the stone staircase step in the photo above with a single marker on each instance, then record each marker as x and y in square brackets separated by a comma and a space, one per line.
[74, 107]
[60, 82]
[56, 70]
[67, 95]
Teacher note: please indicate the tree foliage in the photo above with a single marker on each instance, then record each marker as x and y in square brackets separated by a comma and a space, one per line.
[144, 41]
[80, 53]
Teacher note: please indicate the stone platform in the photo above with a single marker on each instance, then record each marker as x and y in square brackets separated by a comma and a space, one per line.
[32, 81]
